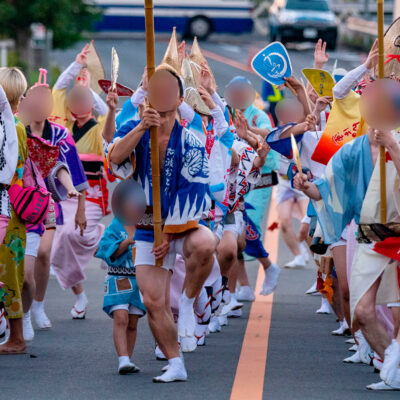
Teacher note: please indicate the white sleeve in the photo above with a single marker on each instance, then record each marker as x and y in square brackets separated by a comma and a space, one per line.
[68, 76]
[220, 124]
[100, 105]
[138, 97]
[349, 81]
[3, 100]
[218, 101]
[187, 112]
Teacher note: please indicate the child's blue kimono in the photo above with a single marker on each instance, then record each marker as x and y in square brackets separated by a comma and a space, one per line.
[120, 284]
[185, 194]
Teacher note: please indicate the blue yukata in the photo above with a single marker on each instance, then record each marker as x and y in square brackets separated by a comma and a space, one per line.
[185, 194]
[120, 285]
[343, 188]
[254, 245]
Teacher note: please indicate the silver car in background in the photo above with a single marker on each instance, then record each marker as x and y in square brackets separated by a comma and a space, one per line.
[302, 20]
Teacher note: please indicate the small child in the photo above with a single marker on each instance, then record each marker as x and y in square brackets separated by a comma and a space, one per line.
[122, 300]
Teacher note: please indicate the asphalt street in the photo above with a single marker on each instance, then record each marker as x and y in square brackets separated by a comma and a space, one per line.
[76, 359]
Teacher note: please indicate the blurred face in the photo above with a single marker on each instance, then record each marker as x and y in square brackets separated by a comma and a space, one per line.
[80, 101]
[240, 97]
[164, 94]
[37, 105]
[289, 111]
[380, 104]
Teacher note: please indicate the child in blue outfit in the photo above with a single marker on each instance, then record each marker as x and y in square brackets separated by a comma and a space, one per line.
[122, 300]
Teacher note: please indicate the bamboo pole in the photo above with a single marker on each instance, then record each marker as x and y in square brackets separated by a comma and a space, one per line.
[381, 75]
[155, 160]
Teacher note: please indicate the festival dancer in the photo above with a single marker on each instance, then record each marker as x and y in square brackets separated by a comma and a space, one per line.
[184, 199]
[121, 295]
[12, 249]
[65, 180]
[371, 271]
[73, 249]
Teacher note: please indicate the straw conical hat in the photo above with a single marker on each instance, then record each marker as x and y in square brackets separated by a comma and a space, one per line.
[197, 58]
[171, 56]
[192, 96]
[95, 68]
[392, 49]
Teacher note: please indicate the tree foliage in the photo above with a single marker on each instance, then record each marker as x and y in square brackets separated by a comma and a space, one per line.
[68, 19]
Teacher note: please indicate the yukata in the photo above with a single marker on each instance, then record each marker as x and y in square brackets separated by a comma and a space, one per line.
[185, 197]
[120, 287]
[71, 252]
[217, 139]
[12, 249]
[241, 179]
[257, 201]
[59, 137]
[350, 190]
[8, 159]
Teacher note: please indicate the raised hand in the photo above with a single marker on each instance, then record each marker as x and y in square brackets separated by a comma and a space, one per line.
[205, 78]
[321, 104]
[373, 56]
[81, 58]
[206, 97]
[263, 149]
[321, 57]
[112, 100]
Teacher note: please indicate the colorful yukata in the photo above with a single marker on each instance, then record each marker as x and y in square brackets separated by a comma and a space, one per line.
[259, 199]
[13, 248]
[72, 252]
[68, 158]
[350, 190]
[8, 159]
[184, 186]
[217, 139]
[120, 285]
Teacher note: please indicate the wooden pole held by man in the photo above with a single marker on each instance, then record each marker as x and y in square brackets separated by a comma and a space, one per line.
[155, 160]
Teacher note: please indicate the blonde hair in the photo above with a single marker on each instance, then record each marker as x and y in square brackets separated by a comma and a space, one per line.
[14, 84]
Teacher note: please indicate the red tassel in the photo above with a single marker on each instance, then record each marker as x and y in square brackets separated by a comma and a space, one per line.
[273, 226]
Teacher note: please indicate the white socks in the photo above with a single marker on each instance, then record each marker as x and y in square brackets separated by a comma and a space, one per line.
[123, 360]
[126, 366]
[40, 316]
[81, 301]
[176, 371]
[186, 320]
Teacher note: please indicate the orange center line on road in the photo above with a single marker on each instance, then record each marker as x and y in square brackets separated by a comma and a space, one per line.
[250, 372]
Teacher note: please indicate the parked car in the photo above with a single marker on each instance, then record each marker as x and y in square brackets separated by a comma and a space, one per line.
[191, 18]
[302, 20]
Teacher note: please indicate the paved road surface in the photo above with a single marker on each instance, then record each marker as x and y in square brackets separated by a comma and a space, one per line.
[76, 359]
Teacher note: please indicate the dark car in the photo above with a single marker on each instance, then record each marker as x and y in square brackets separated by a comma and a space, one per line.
[302, 20]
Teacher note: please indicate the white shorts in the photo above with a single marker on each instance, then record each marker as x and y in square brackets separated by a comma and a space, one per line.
[239, 225]
[343, 239]
[144, 256]
[32, 244]
[392, 305]
[132, 310]
[284, 192]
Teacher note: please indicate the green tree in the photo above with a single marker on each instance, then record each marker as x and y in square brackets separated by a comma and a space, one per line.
[68, 19]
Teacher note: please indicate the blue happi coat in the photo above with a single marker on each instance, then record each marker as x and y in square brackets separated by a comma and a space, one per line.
[184, 182]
